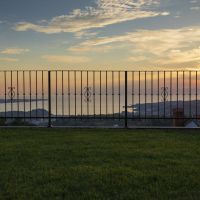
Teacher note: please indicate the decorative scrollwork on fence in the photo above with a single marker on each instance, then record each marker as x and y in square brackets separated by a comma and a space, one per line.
[11, 92]
[87, 94]
[164, 93]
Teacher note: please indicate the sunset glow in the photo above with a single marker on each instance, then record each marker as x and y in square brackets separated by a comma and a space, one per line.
[100, 34]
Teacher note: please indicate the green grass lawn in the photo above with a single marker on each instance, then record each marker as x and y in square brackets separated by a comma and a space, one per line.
[99, 164]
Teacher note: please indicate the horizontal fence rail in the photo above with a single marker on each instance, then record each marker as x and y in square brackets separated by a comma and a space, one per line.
[55, 97]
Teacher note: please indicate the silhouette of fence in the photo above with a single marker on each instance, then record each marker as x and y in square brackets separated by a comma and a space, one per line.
[100, 95]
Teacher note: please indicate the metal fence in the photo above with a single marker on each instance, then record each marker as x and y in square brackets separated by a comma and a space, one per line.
[57, 97]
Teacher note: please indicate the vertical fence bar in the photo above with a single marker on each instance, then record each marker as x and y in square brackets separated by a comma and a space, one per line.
[145, 94]
[56, 74]
[94, 98]
[133, 95]
[36, 92]
[87, 91]
[171, 113]
[177, 88]
[126, 100]
[11, 93]
[62, 79]
[158, 95]
[30, 93]
[164, 94]
[5, 93]
[119, 95]
[184, 93]
[152, 94]
[81, 95]
[69, 93]
[139, 88]
[42, 94]
[190, 95]
[75, 95]
[113, 97]
[100, 92]
[49, 98]
[196, 95]
[17, 94]
[24, 94]
[106, 94]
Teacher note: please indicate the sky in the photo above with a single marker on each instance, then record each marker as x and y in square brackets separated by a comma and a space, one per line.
[100, 34]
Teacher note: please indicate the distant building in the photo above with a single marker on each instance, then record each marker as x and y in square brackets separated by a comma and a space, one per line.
[37, 122]
[192, 124]
[178, 117]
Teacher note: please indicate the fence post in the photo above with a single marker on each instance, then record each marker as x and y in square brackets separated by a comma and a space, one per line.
[126, 101]
[49, 98]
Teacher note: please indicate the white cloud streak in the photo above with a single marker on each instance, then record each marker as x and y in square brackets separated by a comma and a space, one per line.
[66, 59]
[162, 46]
[14, 51]
[8, 60]
[105, 13]
[195, 8]
[191, 55]
[97, 49]
[193, 1]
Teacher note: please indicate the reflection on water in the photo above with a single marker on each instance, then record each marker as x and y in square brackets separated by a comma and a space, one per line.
[105, 105]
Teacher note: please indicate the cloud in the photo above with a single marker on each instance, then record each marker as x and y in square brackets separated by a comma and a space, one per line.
[188, 56]
[137, 58]
[195, 8]
[103, 14]
[99, 49]
[146, 39]
[66, 59]
[8, 60]
[162, 46]
[85, 48]
[193, 1]
[86, 34]
[14, 51]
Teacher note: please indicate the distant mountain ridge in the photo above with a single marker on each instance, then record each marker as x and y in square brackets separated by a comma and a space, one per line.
[33, 113]
[166, 108]
[190, 108]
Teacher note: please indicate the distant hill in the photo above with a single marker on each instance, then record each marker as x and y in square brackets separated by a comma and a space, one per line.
[165, 109]
[162, 109]
[33, 113]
